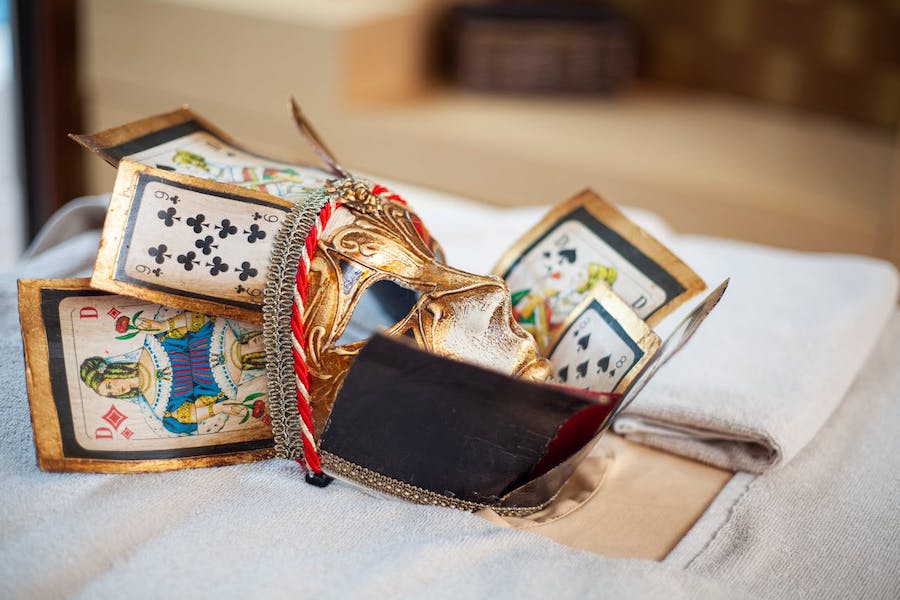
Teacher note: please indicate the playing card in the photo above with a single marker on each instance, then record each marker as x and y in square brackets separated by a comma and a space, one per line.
[603, 345]
[583, 243]
[187, 242]
[118, 384]
[680, 336]
[184, 142]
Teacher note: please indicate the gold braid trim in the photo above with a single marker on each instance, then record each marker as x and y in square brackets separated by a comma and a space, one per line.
[184, 414]
[205, 400]
[344, 469]
[197, 321]
[175, 332]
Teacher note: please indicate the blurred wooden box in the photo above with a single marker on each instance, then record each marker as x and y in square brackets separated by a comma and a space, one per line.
[542, 48]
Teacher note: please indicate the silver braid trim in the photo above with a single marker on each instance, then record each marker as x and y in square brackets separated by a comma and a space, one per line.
[277, 301]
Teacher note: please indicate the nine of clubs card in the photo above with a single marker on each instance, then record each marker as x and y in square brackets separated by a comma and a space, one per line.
[180, 241]
[113, 378]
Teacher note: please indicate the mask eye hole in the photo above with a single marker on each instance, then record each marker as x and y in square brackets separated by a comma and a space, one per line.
[381, 306]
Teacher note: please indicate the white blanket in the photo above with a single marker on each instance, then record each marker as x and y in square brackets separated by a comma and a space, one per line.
[823, 526]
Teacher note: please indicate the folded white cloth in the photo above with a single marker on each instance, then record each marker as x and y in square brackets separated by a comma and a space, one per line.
[772, 361]
[67, 244]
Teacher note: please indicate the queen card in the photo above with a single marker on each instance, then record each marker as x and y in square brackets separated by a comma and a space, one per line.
[121, 384]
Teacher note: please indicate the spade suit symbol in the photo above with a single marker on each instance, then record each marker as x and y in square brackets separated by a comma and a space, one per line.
[563, 374]
[582, 369]
[568, 254]
[583, 342]
[603, 363]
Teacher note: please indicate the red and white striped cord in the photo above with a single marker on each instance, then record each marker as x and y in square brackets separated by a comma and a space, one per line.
[383, 192]
[298, 338]
[298, 334]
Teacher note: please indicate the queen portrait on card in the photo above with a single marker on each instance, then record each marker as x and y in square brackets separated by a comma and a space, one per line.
[191, 375]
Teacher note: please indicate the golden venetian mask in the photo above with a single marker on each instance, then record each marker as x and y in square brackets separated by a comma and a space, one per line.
[377, 268]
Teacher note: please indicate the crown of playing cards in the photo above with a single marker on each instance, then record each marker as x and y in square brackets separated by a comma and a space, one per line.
[243, 308]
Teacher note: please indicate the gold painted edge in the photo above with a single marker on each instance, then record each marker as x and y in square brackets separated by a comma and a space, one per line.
[112, 239]
[612, 217]
[44, 419]
[100, 142]
[636, 328]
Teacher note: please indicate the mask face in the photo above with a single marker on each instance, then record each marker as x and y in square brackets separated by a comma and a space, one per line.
[377, 268]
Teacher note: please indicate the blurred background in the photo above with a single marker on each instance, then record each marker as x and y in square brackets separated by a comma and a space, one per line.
[774, 121]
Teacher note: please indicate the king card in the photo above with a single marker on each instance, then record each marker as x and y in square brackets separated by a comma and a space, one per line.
[118, 384]
[187, 242]
[603, 345]
[183, 142]
[583, 243]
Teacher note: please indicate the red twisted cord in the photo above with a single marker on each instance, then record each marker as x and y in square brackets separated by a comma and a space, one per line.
[298, 334]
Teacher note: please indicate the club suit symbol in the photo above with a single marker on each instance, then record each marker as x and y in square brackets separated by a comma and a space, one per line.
[206, 245]
[255, 233]
[226, 228]
[217, 266]
[187, 260]
[168, 216]
[159, 253]
[197, 222]
[247, 271]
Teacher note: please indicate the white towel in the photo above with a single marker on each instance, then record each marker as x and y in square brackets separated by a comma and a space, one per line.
[772, 361]
[825, 525]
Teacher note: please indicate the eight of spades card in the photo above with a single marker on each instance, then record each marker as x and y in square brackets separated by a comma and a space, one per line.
[187, 242]
[583, 243]
[603, 345]
[113, 378]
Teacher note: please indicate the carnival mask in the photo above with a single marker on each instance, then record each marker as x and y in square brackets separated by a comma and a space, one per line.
[377, 269]
[374, 268]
